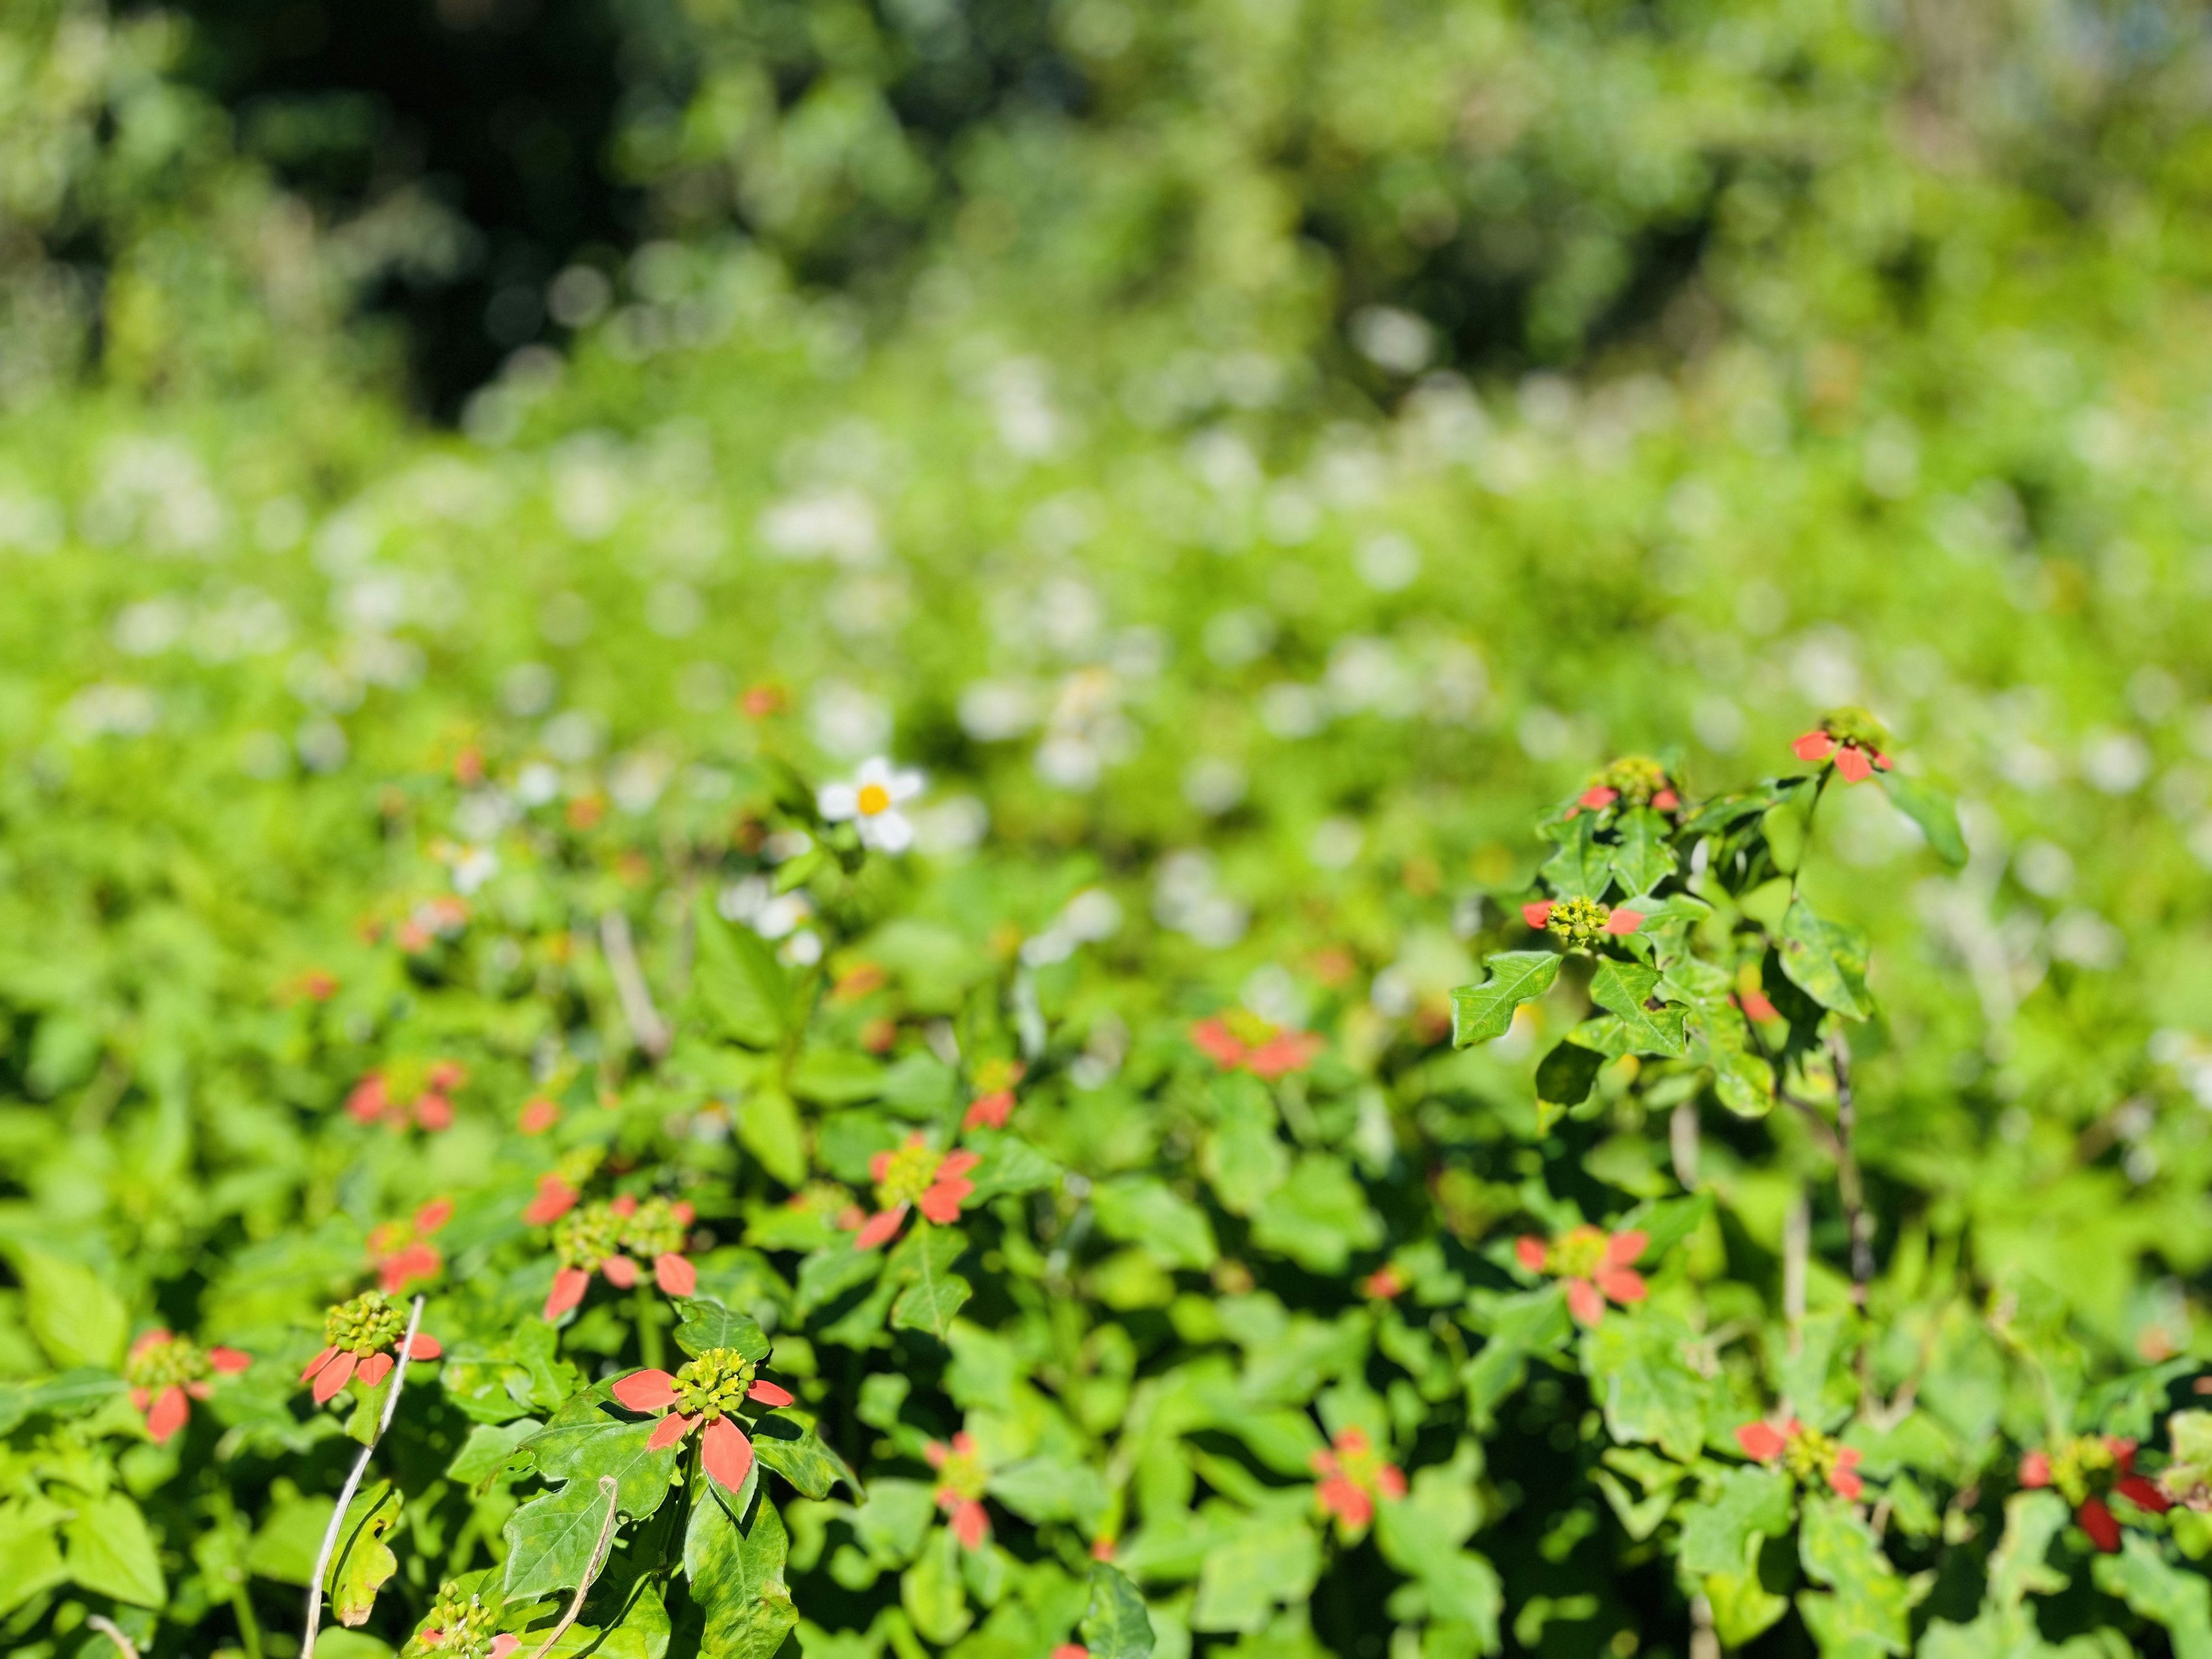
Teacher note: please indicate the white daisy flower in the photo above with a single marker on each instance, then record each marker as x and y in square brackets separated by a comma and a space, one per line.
[871, 801]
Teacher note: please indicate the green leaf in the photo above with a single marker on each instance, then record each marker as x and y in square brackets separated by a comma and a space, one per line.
[1461, 1585]
[1825, 960]
[71, 1394]
[284, 1547]
[1743, 1607]
[1870, 1610]
[1721, 1533]
[1582, 867]
[1623, 988]
[111, 1553]
[1010, 1164]
[1932, 810]
[1319, 1217]
[931, 1593]
[31, 1551]
[703, 1322]
[737, 983]
[363, 1562]
[1642, 859]
[72, 1312]
[642, 1476]
[2154, 1588]
[788, 1442]
[833, 1272]
[923, 1263]
[488, 1449]
[1648, 1392]
[550, 1540]
[1266, 1559]
[1115, 1626]
[836, 1077]
[769, 1127]
[1565, 1075]
[1485, 1011]
[1141, 1209]
[736, 1574]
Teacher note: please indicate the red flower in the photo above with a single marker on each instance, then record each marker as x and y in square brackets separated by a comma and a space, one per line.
[915, 1174]
[1635, 779]
[1242, 1042]
[710, 1389]
[167, 1373]
[1853, 738]
[961, 1480]
[403, 1251]
[360, 1338]
[1385, 1283]
[538, 1116]
[1755, 1005]
[2088, 1469]
[375, 1099]
[1071, 1650]
[991, 1108]
[367, 1101]
[1352, 1476]
[1580, 923]
[1597, 1268]
[613, 1239]
[1806, 1453]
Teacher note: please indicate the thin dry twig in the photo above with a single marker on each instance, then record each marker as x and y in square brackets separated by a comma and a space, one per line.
[109, 1628]
[610, 1490]
[353, 1485]
[645, 1023]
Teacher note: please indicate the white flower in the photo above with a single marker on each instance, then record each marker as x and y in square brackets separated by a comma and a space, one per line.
[871, 801]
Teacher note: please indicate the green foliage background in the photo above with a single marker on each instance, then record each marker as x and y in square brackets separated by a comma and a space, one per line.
[1252, 489]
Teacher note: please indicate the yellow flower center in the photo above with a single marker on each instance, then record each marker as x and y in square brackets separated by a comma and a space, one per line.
[874, 799]
[908, 1175]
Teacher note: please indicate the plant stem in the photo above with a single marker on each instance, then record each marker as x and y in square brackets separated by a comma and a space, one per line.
[109, 1628]
[249, 1625]
[645, 1313]
[353, 1485]
[610, 1490]
[1849, 1186]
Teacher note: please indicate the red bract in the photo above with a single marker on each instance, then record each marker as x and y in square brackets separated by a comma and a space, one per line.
[1071, 1650]
[167, 1373]
[556, 1198]
[995, 1104]
[1384, 1284]
[1354, 1474]
[1241, 1042]
[361, 1339]
[915, 1174]
[961, 1479]
[403, 1251]
[612, 1239]
[2085, 1470]
[1580, 922]
[710, 1389]
[538, 1116]
[1807, 1454]
[376, 1098]
[1852, 738]
[1596, 1268]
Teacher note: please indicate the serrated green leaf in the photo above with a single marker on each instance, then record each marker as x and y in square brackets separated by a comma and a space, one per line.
[1266, 1559]
[1643, 859]
[363, 1563]
[834, 1272]
[1648, 1392]
[1825, 960]
[1932, 810]
[1648, 1031]
[1482, 1013]
[737, 984]
[933, 1293]
[32, 1551]
[489, 1449]
[1622, 987]
[1010, 1164]
[1116, 1624]
[1867, 1611]
[1743, 1607]
[642, 1476]
[1582, 867]
[703, 1322]
[551, 1539]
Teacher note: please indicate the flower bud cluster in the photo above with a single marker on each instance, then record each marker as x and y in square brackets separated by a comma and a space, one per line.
[370, 1323]
[715, 1384]
[586, 1237]
[166, 1364]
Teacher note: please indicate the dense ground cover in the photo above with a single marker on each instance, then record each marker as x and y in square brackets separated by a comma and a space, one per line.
[417, 877]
